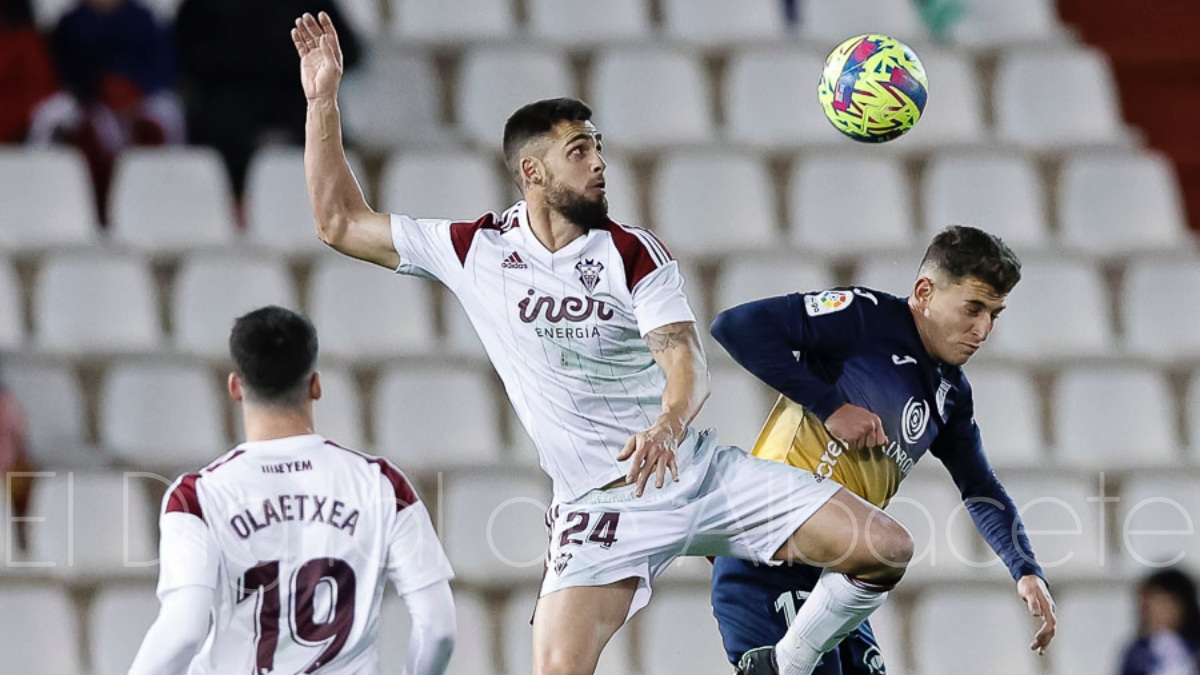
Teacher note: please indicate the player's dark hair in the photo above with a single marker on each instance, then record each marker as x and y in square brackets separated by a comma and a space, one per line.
[962, 251]
[274, 350]
[1182, 588]
[535, 119]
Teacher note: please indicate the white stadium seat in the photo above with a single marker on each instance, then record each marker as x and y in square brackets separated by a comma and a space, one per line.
[461, 337]
[747, 278]
[365, 312]
[999, 193]
[714, 202]
[1054, 98]
[1157, 518]
[737, 407]
[956, 630]
[453, 185]
[945, 542]
[45, 199]
[365, 16]
[1114, 417]
[573, 23]
[212, 291]
[162, 415]
[1064, 528]
[95, 304]
[437, 416]
[493, 525]
[493, 82]
[92, 524]
[832, 212]
[1095, 624]
[621, 183]
[473, 643]
[54, 407]
[394, 100]
[718, 22]
[887, 623]
[39, 630]
[171, 200]
[681, 636]
[647, 98]
[1160, 304]
[338, 415]
[831, 21]
[771, 98]
[1008, 412]
[1114, 204]
[12, 322]
[118, 620]
[894, 273]
[994, 23]
[954, 113]
[452, 20]
[517, 636]
[1059, 310]
[1192, 415]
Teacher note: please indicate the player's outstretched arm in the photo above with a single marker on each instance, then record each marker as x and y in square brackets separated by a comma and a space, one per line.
[678, 351]
[176, 635]
[344, 219]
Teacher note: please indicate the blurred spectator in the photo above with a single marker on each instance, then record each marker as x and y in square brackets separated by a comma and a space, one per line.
[1168, 641]
[117, 65]
[242, 76]
[14, 458]
[26, 72]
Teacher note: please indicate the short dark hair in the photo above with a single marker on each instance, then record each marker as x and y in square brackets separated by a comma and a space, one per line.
[534, 119]
[962, 251]
[273, 349]
[1182, 588]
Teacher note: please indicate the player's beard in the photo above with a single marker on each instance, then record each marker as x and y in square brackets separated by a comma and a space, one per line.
[575, 207]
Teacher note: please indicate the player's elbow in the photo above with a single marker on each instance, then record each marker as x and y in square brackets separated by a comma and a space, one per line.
[332, 229]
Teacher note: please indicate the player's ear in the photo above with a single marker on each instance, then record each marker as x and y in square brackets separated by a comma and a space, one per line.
[234, 384]
[532, 171]
[314, 386]
[923, 291]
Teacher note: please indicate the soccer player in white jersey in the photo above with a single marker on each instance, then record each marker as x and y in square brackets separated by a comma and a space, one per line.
[587, 324]
[288, 540]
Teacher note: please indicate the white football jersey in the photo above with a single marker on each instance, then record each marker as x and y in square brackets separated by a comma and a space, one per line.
[297, 537]
[565, 329]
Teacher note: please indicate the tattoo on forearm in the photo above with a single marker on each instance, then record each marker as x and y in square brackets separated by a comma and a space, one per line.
[662, 339]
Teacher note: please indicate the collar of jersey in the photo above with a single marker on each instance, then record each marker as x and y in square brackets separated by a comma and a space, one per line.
[534, 245]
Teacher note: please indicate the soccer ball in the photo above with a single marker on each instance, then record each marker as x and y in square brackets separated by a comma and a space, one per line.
[873, 88]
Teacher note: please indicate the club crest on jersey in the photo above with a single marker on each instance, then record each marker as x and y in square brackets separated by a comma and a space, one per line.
[914, 420]
[560, 562]
[589, 273]
[827, 302]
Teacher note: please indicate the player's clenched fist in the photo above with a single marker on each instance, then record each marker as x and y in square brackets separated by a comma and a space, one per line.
[320, 56]
[651, 452]
[856, 427]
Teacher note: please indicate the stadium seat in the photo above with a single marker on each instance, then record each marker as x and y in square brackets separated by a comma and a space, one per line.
[771, 101]
[1114, 204]
[395, 628]
[681, 636]
[338, 416]
[436, 416]
[621, 182]
[12, 322]
[517, 638]
[493, 82]
[831, 21]
[888, 624]
[394, 99]
[453, 185]
[746, 278]
[1056, 98]
[461, 337]
[957, 629]
[452, 20]
[737, 407]
[473, 644]
[118, 620]
[39, 630]
[894, 272]
[278, 209]
[717, 22]
[1064, 528]
[954, 115]
[999, 193]
[573, 23]
[1157, 514]
[162, 415]
[365, 16]
[714, 202]
[1095, 625]
[365, 312]
[493, 525]
[996, 23]
[1192, 416]
[118, 313]
[45, 199]
[1159, 301]
[171, 200]
[92, 525]
[850, 204]
[1054, 293]
[54, 407]
[647, 98]
[1009, 414]
[945, 542]
[211, 291]
[1114, 417]
[48, 12]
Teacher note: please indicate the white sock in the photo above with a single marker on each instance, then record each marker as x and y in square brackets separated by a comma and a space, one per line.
[836, 607]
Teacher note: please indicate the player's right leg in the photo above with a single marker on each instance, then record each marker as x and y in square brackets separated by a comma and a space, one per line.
[571, 626]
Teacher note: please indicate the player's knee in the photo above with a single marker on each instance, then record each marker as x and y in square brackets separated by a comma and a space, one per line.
[889, 551]
[560, 662]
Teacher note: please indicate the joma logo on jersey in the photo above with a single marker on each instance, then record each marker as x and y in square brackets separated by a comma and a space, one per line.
[570, 308]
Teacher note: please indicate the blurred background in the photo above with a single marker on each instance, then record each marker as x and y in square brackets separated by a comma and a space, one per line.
[152, 189]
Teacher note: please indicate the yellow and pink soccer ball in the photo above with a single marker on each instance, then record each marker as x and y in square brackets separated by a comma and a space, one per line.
[873, 88]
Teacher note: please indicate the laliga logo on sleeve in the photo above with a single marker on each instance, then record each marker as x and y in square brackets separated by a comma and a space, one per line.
[827, 302]
[589, 273]
[914, 419]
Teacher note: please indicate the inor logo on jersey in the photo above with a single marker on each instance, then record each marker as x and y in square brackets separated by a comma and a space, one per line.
[589, 273]
[570, 309]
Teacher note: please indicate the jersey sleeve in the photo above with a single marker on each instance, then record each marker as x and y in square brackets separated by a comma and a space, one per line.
[426, 248]
[960, 448]
[415, 555]
[187, 551]
[658, 299]
[763, 336]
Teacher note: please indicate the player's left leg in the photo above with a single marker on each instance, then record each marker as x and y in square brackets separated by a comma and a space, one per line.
[571, 626]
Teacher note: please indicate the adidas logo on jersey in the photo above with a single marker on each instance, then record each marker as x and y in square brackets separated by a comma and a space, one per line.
[514, 262]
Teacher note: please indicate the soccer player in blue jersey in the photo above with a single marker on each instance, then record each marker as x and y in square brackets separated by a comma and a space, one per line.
[878, 383]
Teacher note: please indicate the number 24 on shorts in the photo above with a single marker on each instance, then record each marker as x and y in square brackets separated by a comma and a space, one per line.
[604, 532]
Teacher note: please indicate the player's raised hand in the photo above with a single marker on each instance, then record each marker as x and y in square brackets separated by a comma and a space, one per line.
[652, 452]
[320, 53]
[1033, 591]
[856, 427]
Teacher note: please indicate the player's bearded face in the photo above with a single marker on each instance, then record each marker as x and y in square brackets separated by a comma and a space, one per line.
[575, 205]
